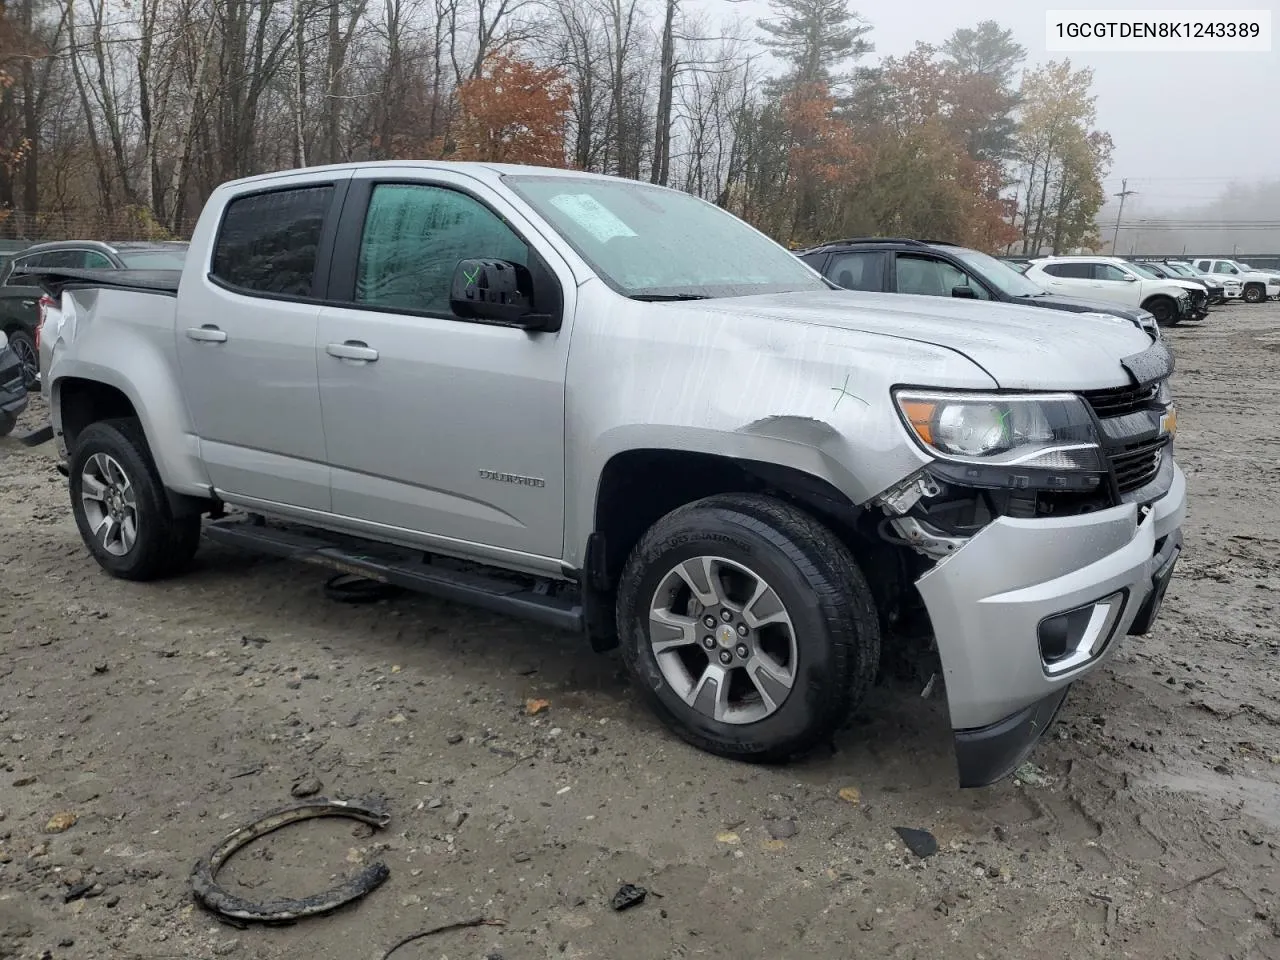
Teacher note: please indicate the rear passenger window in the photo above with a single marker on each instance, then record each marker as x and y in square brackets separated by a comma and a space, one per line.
[414, 236]
[857, 271]
[268, 242]
[96, 261]
[1079, 271]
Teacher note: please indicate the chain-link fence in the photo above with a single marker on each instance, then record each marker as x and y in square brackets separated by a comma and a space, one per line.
[19, 228]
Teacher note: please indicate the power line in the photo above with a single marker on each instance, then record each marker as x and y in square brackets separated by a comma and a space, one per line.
[1124, 192]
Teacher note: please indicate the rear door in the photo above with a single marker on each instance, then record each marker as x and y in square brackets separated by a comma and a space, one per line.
[246, 341]
[858, 270]
[440, 430]
[1073, 278]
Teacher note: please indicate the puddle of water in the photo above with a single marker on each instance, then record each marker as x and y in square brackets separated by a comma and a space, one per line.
[1256, 798]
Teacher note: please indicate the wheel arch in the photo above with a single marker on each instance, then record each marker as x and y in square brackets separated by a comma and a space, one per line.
[640, 486]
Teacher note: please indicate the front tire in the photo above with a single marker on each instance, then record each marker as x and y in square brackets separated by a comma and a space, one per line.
[1164, 309]
[1255, 293]
[120, 505]
[748, 626]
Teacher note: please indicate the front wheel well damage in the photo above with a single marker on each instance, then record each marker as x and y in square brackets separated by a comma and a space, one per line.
[639, 487]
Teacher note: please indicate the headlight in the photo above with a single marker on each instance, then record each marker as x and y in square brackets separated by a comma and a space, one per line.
[1034, 431]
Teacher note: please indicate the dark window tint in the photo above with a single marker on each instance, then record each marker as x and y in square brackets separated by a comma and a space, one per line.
[414, 236]
[857, 271]
[934, 278]
[269, 241]
[1078, 271]
[97, 261]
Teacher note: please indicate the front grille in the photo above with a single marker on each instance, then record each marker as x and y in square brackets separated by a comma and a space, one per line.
[1137, 464]
[1118, 401]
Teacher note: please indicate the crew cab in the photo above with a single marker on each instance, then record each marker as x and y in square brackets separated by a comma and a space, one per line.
[1116, 281]
[1257, 286]
[939, 269]
[615, 408]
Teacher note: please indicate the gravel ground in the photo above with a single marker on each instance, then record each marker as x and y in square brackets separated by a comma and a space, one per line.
[161, 716]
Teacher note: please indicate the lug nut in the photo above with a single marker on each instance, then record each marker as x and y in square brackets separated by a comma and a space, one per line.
[726, 616]
[709, 642]
[725, 656]
[742, 630]
[709, 622]
[743, 651]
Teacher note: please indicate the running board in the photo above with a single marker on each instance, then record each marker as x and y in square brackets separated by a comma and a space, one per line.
[403, 568]
[36, 437]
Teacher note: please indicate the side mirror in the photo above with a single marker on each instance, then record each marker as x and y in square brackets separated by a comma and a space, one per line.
[497, 291]
[1130, 278]
[964, 292]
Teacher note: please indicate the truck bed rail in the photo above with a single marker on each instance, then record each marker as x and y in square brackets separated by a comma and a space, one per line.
[55, 281]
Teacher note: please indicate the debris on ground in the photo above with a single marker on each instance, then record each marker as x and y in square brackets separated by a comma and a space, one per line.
[850, 794]
[1032, 775]
[535, 707]
[781, 829]
[920, 842]
[628, 896]
[60, 822]
[207, 892]
[445, 928]
[728, 836]
[307, 787]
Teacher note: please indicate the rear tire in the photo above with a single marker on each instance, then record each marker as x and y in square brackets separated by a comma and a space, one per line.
[7, 423]
[794, 635]
[25, 348]
[121, 508]
[1255, 293]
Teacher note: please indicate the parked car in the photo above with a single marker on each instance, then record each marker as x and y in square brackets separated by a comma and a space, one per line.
[1232, 288]
[13, 388]
[1257, 287]
[1116, 281]
[1197, 288]
[19, 298]
[615, 408]
[933, 268]
[1214, 290]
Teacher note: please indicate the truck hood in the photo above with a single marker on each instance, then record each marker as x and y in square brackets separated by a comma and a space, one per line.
[1021, 348]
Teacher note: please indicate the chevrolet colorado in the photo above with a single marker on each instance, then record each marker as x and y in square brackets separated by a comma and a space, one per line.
[615, 408]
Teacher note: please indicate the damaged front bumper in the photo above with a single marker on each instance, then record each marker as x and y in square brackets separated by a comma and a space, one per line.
[1026, 607]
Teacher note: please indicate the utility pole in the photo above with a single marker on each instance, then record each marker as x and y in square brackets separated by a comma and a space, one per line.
[1124, 192]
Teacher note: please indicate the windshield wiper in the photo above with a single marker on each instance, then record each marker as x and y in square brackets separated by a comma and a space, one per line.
[666, 297]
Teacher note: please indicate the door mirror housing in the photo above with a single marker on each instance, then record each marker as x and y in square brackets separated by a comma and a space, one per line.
[964, 292]
[1130, 278]
[499, 292]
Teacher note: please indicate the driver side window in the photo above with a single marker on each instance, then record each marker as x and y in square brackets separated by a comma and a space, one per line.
[414, 236]
[934, 278]
[1109, 271]
[1226, 268]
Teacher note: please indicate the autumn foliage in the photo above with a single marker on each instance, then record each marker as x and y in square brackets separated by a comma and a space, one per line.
[514, 112]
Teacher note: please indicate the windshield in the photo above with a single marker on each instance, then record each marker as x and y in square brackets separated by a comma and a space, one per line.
[1143, 271]
[1180, 269]
[999, 274]
[154, 259]
[653, 243]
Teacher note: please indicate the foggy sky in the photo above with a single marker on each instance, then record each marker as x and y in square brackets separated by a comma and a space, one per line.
[1187, 126]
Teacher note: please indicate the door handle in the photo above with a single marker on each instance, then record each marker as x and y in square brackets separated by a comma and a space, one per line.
[352, 350]
[28, 303]
[208, 333]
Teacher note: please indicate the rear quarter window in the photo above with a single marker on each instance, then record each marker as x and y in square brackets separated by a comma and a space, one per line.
[268, 242]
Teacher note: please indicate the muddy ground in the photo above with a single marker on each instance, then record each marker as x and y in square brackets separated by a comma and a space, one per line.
[161, 716]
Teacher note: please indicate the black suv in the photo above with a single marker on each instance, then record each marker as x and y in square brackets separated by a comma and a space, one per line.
[935, 268]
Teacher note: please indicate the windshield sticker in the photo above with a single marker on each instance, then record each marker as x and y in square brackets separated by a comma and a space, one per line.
[587, 212]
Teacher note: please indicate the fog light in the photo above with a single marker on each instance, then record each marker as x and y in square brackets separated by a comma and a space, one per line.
[1075, 637]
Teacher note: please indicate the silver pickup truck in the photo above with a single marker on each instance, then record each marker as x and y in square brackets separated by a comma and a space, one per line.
[614, 408]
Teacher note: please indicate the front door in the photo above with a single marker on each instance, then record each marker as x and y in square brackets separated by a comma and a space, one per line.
[442, 431]
[246, 335]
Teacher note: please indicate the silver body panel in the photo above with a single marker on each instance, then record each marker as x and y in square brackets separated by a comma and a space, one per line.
[411, 448]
